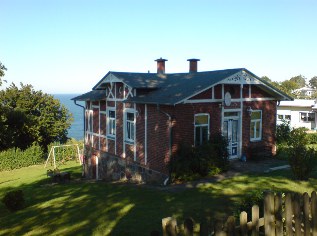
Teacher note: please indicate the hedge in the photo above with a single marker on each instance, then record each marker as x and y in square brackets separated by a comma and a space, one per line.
[312, 138]
[15, 158]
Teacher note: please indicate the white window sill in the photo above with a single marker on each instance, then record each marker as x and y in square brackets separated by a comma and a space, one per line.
[111, 137]
[130, 142]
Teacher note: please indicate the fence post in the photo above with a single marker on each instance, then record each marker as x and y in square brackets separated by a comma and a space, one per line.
[243, 223]
[314, 212]
[255, 220]
[203, 228]
[288, 214]
[188, 227]
[268, 214]
[296, 207]
[306, 214]
[231, 225]
[169, 226]
[278, 214]
[219, 228]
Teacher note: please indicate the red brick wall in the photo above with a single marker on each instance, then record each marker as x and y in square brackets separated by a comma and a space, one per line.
[183, 125]
[140, 137]
[268, 127]
[119, 129]
[234, 90]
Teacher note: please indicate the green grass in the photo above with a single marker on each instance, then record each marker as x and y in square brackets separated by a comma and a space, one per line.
[99, 208]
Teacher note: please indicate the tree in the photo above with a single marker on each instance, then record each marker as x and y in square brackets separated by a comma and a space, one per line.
[287, 86]
[2, 69]
[267, 79]
[299, 80]
[31, 116]
[313, 82]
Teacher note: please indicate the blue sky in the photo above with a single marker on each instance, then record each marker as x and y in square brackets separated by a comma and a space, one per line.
[67, 46]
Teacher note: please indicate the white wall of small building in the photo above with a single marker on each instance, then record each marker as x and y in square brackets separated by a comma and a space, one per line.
[295, 109]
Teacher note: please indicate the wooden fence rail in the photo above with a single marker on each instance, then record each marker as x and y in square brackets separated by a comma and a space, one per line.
[289, 214]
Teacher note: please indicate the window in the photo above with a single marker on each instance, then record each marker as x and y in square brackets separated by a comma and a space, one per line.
[111, 123]
[287, 117]
[129, 129]
[307, 117]
[256, 126]
[284, 117]
[201, 128]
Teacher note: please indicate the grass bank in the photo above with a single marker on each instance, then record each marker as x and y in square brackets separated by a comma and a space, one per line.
[99, 208]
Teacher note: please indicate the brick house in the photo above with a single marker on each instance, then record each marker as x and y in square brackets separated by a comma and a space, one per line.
[134, 122]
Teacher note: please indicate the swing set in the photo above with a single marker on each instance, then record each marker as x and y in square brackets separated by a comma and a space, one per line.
[61, 151]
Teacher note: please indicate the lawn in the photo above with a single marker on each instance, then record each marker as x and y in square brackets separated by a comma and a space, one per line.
[99, 208]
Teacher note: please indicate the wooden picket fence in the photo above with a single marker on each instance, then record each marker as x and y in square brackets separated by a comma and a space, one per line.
[289, 214]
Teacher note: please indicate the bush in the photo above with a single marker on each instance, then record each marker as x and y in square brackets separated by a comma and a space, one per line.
[181, 164]
[312, 138]
[16, 158]
[208, 159]
[14, 200]
[252, 198]
[302, 160]
[283, 132]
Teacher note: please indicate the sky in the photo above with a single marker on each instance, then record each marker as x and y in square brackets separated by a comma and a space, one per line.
[67, 46]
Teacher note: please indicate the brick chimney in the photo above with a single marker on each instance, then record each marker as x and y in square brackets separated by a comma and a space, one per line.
[160, 65]
[193, 65]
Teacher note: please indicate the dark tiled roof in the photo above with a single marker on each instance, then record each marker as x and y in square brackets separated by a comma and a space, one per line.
[94, 95]
[171, 89]
[177, 87]
[141, 80]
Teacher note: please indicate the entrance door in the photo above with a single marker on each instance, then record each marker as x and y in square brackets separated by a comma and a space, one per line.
[230, 131]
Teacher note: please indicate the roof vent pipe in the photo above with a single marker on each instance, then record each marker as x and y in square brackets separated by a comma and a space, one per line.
[160, 65]
[193, 65]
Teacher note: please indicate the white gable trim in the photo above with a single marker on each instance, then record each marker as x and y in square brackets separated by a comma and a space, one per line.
[111, 78]
[232, 100]
[241, 77]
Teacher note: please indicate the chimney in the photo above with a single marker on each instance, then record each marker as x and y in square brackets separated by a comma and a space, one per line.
[160, 65]
[193, 65]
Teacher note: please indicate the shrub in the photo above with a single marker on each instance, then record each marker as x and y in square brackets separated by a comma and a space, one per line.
[181, 164]
[14, 200]
[283, 132]
[252, 198]
[16, 158]
[298, 137]
[312, 138]
[302, 160]
[208, 159]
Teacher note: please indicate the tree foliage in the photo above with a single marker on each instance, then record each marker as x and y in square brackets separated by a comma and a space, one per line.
[313, 82]
[299, 80]
[28, 116]
[2, 69]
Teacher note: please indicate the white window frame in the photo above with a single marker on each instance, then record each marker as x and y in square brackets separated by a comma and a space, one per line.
[201, 125]
[257, 137]
[110, 121]
[90, 116]
[284, 117]
[126, 121]
[306, 115]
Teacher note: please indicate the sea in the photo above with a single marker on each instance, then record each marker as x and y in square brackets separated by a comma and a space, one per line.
[76, 130]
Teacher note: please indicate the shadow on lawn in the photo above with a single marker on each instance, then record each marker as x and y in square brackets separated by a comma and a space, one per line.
[88, 207]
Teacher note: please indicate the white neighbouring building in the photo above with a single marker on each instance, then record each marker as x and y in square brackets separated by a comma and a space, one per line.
[300, 113]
